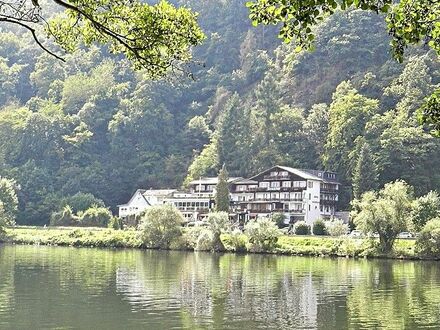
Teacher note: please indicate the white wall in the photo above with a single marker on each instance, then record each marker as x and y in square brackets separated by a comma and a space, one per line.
[312, 201]
[136, 205]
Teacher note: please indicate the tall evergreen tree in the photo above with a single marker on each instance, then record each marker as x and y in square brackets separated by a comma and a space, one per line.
[365, 176]
[222, 194]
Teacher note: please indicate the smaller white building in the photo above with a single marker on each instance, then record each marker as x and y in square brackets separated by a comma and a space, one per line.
[143, 199]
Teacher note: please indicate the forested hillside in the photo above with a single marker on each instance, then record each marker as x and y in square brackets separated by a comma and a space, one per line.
[93, 125]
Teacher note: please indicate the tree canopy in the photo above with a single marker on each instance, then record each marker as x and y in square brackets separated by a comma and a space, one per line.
[408, 22]
[154, 37]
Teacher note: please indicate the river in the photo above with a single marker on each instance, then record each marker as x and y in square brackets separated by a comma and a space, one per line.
[80, 288]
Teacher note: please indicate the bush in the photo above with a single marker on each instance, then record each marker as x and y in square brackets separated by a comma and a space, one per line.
[160, 226]
[428, 241]
[263, 235]
[236, 241]
[336, 228]
[65, 217]
[115, 223]
[205, 241]
[80, 202]
[279, 218]
[301, 228]
[218, 223]
[95, 216]
[319, 228]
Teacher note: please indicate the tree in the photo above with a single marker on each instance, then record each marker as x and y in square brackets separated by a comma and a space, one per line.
[428, 241]
[160, 226]
[154, 37]
[8, 201]
[222, 191]
[425, 208]
[408, 22]
[365, 177]
[384, 212]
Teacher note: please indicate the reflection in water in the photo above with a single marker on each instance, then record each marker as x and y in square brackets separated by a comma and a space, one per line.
[43, 287]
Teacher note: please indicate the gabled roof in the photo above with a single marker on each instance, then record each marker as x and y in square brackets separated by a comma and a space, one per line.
[158, 192]
[213, 180]
[245, 181]
[291, 170]
[141, 191]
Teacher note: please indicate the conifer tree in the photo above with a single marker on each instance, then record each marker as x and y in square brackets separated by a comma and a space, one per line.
[365, 177]
[222, 194]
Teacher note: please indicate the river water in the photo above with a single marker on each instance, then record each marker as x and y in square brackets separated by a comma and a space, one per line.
[80, 288]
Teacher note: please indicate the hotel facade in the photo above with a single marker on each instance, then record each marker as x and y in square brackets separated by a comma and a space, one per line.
[301, 195]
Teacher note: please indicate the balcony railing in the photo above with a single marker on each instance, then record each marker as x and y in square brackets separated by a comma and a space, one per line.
[276, 177]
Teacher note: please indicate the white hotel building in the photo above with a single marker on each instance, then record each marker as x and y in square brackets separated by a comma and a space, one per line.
[299, 194]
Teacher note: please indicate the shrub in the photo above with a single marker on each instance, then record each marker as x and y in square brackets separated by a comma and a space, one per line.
[263, 235]
[115, 223]
[301, 228]
[336, 228]
[160, 226]
[428, 241]
[81, 202]
[218, 223]
[319, 228]
[205, 241]
[95, 216]
[279, 218]
[65, 217]
[236, 241]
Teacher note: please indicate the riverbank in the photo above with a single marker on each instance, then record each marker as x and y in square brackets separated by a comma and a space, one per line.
[287, 245]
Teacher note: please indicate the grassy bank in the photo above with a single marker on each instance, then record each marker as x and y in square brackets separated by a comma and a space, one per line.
[69, 236]
[287, 245]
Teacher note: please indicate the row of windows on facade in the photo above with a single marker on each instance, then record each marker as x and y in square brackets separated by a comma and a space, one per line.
[191, 204]
[131, 208]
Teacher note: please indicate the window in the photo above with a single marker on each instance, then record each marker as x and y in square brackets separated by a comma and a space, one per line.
[310, 184]
[264, 184]
[309, 208]
[275, 184]
[284, 173]
[287, 184]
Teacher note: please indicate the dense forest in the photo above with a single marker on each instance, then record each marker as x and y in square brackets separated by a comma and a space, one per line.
[94, 129]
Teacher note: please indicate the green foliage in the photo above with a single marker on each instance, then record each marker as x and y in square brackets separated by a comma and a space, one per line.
[319, 228]
[218, 223]
[425, 208]
[95, 216]
[95, 126]
[8, 202]
[428, 241]
[160, 226]
[153, 37]
[336, 228]
[81, 202]
[385, 213]
[115, 223]
[279, 218]
[236, 241]
[365, 176]
[64, 217]
[263, 235]
[301, 228]
[222, 191]
[408, 23]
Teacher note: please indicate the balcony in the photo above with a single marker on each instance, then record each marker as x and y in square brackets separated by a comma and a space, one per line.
[276, 177]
